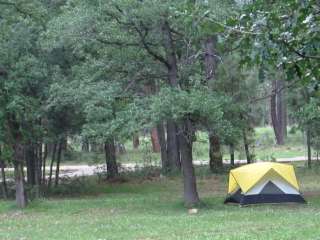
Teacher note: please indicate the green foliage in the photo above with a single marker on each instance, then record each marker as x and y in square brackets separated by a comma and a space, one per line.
[283, 34]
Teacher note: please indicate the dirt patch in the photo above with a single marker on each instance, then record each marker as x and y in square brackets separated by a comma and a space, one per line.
[311, 193]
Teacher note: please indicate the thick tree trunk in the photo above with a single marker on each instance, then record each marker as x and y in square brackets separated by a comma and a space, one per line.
[210, 64]
[210, 56]
[18, 152]
[60, 149]
[53, 158]
[163, 147]
[215, 155]
[173, 152]
[231, 154]
[246, 146]
[155, 140]
[135, 141]
[278, 111]
[170, 55]
[191, 196]
[3, 177]
[309, 147]
[110, 154]
[184, 139]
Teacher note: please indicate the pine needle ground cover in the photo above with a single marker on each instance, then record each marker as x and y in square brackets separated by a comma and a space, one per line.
[153, 209]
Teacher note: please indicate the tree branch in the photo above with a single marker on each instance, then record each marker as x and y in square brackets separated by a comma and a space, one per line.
[274, 92]
[116, 43]
[120, 44]
[147, 47]
[142, 36]
[303, 55]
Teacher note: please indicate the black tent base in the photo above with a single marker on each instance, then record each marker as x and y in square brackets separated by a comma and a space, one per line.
[242, 199]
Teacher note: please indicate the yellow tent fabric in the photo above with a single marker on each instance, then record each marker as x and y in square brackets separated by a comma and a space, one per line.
[247, 176]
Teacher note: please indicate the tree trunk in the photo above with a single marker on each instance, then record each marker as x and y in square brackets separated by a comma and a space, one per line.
[85, 145]
[53, 158]
[232, 154]
[278, 111]
[30, 162]
[21, 196]
[3, 177]
[40, 161]
[246, 146]
[173, 152]
[210, 58]
[216, 161]
[110, 154]
[191, 196]
[163, 147]
[170, 55]
[44, 160]
[155, 140]
[60, 148]
[309, 147]
[135, 141]
[210, 64]
[37, 172]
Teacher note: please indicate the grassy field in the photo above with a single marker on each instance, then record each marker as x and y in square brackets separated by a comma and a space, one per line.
[263, 147]
[145, 209]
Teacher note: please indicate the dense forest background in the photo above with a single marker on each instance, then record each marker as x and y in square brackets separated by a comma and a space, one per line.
[79, 77]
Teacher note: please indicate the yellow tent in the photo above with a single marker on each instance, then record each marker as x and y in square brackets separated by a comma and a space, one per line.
[263, 182]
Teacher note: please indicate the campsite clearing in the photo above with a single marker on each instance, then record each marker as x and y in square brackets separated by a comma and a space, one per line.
[153, 209]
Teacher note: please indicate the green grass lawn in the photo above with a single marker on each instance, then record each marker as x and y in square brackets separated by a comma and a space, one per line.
[153, 209]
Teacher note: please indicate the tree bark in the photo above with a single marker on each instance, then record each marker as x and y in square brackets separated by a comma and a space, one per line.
[44, 160]
[60, 148]
[53, 158]
[246, 146]
[170, 55]
[155, 140]
[135, 141]
[173, 152]
[30, 162]
[210, 64]
[191, 196]
[215, 155]
[85, 145]
[21, 196]
[278, 111]
[210, 55]
[163, 147]
[3, 177]
[231, 154]
[110, 154]
[37, 166]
